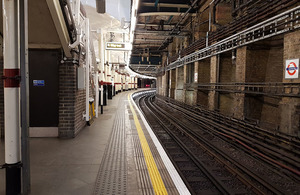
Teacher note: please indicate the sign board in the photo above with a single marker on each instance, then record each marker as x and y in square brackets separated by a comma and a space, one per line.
[292, 69]
[117, 46]
[196, 77]
[39, 83]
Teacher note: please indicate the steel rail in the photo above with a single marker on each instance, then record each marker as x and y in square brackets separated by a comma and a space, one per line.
[175, 124]
[183, 145]
[213, 150]
[222, 189]
[270, 148]
[213, 115]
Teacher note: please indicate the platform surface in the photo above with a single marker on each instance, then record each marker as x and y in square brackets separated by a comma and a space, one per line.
[107, 157]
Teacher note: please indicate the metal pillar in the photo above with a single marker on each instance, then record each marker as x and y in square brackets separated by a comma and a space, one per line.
[87, 70]
[24, 97]
[12, 97]
[97, 92]
[102, 47]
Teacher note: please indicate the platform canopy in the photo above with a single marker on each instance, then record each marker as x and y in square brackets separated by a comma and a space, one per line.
[157, 23]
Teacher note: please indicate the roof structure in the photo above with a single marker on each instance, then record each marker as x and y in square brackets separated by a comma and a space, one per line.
[158, 22]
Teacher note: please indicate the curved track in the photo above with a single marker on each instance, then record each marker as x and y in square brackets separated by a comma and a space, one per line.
[215, 157]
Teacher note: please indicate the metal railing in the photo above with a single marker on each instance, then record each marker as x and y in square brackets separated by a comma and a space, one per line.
[282, 23]
[268, 89]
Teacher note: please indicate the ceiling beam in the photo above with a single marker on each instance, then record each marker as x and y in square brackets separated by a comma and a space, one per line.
[149, 40]
[144, 65]
[147, 44]
[156, 34]
[165, 5]
[146, 72]
[163, 14]
[151, 55]
[159, 32]
[165, 25]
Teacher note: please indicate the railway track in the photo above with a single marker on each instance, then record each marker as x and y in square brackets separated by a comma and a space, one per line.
[282, 150]
[209, 162]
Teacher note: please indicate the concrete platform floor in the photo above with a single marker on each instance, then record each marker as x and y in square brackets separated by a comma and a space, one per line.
[71, 166]
[68, 166]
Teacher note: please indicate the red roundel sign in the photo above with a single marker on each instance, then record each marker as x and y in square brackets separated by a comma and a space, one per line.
[292, 69]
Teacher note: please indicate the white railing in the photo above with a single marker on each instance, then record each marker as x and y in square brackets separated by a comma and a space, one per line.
[282, 23]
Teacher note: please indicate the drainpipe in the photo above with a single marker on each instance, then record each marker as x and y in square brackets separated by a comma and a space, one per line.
[11, 97]
[87, 69]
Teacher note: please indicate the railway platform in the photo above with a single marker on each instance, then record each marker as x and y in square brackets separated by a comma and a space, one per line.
[115, 155]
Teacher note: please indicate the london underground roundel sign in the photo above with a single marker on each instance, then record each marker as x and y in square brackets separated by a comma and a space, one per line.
[292, 69]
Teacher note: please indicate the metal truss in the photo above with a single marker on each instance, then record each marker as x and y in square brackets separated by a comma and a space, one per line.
[282, 23]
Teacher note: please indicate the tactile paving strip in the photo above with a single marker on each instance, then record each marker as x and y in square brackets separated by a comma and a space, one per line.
[112, 175]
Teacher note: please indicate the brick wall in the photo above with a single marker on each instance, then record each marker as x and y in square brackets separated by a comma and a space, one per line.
[290, 107]
[204, 71]
[173, 83]
[270, 116]
[256, 65]
[159, 86]
[223, 13]
[203, 77]
[226, 102]
[180, 77]
[253, 107]
[190, 96]
[274, 65]
[264, 65]
[79, 110]
[202, 98]
[227, 75]
[227, 68]
[179, 91]
[1, 102]
[67, 90]
[180, 95]
[71, 102]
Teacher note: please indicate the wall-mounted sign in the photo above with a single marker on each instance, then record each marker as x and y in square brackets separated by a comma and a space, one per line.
[196, 77]
[39, 83]
[117, 46]
[292, 69]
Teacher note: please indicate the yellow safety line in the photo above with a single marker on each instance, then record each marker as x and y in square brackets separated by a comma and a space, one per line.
[157, 183]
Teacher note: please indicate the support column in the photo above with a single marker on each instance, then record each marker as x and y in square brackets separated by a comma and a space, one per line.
[105, 82]
[214, 75]
[25, 147]
[172, 83]
[135, 83]
[290, 107]
[101, 49]
[109, 81]
[240, 75]
[179, 93]
[116, 82]
[164, 84]
[195, 81]
[159, 86]
[87, 70]
[11, 74]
